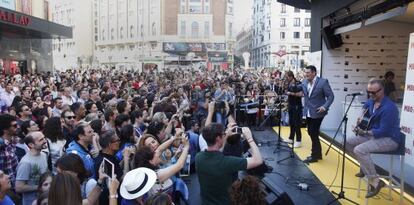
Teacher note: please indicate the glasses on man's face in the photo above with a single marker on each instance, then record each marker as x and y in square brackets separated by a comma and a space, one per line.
[70, 117]
[117, 140]
[373, 92]
[14, 125]
[27, 109]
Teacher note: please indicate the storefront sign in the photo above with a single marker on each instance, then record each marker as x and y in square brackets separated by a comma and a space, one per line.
[217, 56]
[407, 112]
[176, 47]
[14, 18]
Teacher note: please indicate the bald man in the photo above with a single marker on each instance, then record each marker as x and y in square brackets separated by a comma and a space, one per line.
[32, 165]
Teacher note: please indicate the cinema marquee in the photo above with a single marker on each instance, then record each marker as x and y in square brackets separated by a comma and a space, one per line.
[14, 18]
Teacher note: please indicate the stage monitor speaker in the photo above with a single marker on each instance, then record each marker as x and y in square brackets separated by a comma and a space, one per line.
[274, 194]
[331, 40]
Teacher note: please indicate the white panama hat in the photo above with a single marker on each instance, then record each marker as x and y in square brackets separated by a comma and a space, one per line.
[137, 182]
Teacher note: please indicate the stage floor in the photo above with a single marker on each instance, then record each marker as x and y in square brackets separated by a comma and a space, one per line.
[322, 177]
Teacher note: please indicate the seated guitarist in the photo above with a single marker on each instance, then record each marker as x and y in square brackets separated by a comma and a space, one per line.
[381, 133]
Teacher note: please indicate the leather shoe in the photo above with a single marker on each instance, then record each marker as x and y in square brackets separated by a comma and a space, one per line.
[376, 190]
[311, 160]
[360, 174]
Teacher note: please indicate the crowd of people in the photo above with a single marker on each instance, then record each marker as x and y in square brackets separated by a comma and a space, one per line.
[102, 136]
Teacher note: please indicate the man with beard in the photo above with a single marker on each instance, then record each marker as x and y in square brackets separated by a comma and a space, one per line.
[95, 98]
[8, 141]
[381, 135]
[68, 119]
[82, 145]
[110, 143]
[32, 165]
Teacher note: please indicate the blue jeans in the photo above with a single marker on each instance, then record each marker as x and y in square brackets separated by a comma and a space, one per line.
[221, 119]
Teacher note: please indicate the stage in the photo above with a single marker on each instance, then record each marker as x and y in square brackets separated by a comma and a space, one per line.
[319, 176]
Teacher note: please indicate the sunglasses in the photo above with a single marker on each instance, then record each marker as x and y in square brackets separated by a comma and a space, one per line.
[115, 141]
[70, 117]
[374, 92]
[14, 125]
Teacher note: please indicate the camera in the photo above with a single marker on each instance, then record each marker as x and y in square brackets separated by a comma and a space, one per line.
[238, 130]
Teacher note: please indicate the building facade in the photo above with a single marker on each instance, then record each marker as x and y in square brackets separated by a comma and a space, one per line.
[279, 28]
[25, 36]
[244, 42]
[158, 33]
[75, 52]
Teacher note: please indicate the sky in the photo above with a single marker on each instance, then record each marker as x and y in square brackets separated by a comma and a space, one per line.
[242, 13]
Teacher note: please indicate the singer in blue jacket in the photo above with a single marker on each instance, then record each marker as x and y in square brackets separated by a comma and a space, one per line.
[318, 98]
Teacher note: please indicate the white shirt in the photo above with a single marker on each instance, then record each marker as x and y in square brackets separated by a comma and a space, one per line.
[310, 89]
[202, 143]
[7, 97]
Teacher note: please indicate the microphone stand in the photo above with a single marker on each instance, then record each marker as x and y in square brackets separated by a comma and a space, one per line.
[341, 194]
[279, 139]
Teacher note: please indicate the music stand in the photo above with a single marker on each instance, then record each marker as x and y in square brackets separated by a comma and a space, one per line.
[341, 194]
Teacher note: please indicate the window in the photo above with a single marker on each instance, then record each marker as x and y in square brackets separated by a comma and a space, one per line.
[296, 22]
[307, 22]
[307, 11]
[103, 35]
[112, 33]
[230, 10]
[142, 30]
[121, 33]
[195, 9]
[206, 29]
[194, 29]
[182, 29]
[282, 22]
[182, 8]
[154, 29]
[296, 35]
[131, 32]
[297, 10]
[206, 9]
[231, 30]
[283, 8]
[307, 35]
[282, 35]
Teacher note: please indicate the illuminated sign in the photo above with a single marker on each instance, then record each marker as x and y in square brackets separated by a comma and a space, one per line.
[14, 18]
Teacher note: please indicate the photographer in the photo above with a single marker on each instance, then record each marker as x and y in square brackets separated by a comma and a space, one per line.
[222, 94]
[215, 171]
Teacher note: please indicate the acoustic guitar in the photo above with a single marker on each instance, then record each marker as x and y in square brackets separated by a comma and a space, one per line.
[365, 122]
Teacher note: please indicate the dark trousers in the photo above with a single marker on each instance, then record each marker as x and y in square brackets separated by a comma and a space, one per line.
[295, 119]
[314, 124]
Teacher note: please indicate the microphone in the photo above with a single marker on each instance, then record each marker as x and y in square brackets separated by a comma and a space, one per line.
[355, 94]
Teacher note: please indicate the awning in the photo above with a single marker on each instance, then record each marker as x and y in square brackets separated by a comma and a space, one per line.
[301, 4]
[14, 24]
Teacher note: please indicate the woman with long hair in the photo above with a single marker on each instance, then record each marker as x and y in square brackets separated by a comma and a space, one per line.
[55, 139]
[65, 190]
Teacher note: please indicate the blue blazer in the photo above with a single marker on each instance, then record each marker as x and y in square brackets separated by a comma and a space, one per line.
[321, 95]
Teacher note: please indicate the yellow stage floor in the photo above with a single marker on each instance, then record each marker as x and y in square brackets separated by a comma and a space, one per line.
[326, 169]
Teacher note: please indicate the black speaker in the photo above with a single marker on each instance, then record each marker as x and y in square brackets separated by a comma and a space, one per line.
[331, 40]
[274, 194]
